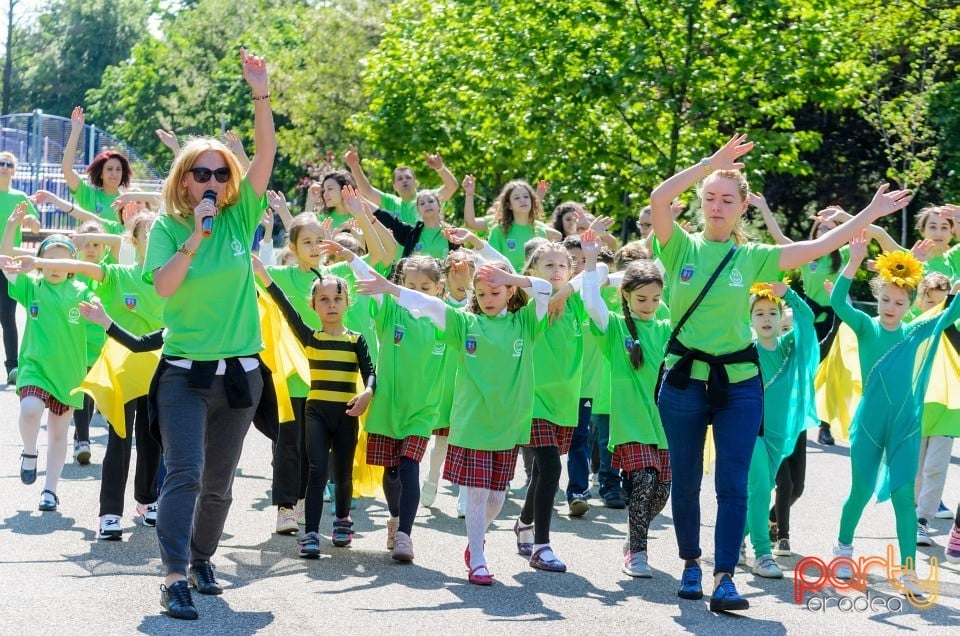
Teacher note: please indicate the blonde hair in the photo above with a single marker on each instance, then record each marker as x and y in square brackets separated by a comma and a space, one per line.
[739, 234]
[6, 154]
[175, 197]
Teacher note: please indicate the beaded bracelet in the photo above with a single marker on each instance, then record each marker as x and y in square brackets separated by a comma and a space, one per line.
[262, 97]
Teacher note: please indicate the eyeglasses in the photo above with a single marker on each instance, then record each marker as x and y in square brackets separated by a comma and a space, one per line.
[7, 164]
[202, 175]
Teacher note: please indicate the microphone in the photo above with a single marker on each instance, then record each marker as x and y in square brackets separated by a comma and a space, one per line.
[206, 224]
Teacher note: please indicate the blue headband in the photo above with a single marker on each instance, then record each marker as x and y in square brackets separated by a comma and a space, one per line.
[57, 239]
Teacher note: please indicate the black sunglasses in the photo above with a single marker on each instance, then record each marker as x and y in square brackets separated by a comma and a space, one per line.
[202, 175]
[7, 164]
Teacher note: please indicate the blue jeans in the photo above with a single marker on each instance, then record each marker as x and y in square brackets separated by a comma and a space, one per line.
[685, 415]
[609, 477]
[578, 457]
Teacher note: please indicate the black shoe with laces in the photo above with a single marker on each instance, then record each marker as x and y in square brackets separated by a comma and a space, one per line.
[178, 602]
[824, 437]
[202, 577]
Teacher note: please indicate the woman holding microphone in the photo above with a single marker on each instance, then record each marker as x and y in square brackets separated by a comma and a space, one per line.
[209, 380]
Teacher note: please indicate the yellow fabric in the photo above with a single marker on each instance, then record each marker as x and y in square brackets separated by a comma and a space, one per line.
[838, 384]
[941, 412]
[118, 376]
[282, 353]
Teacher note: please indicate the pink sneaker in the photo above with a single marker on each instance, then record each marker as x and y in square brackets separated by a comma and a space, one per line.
[952, 553]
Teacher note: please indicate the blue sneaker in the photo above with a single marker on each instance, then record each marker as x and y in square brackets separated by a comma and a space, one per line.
[943, 512]
[726, 598]
[342, 532]
[690, 583]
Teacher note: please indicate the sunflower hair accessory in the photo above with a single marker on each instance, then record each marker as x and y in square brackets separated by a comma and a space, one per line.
[764, 290]
[900, 268]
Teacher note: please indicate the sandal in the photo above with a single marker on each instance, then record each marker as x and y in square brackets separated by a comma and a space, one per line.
[480, 579]
[27, 476]
[524, 538]
[48, 501]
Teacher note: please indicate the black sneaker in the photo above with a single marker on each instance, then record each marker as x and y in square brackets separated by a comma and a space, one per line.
[615, 500]
[201, 576]
[178, 602]
[824, 437]
[726, 598]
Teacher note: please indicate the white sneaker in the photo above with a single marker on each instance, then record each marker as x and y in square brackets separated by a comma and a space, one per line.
[910, 588]
[922, 537]
[147, 514]
[286, 521]
[402, 547]
[782, 548]
[943, 512]
[299, 509]
[765, 566]
[635, 564]
[110, 528]
[843, 572]
[81, 452]
[428, 494]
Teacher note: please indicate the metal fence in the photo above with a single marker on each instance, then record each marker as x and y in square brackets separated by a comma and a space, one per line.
[38, 140]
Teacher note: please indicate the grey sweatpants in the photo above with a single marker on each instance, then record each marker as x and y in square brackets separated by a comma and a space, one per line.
[202, 442]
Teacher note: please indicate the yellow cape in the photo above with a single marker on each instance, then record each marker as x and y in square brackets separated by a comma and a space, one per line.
[838, 383]
[118, 376]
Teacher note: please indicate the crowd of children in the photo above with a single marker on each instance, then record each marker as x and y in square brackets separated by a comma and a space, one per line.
[380, 326]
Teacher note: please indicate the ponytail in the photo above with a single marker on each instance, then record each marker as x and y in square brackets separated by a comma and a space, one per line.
[636, 353]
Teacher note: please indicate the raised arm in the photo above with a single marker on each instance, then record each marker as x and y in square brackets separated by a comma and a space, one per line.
[758, 201]
[883, 203]
[485, 252]
[662, 197]
[375, 248]
[469, 211]
[61, 265]
[95, 313]
[278, 203]
[264, 134]
[352, 159]
[538, 288]
[590, 290]
[169, 139]
[418, 303]
[450, 183]
[854, 318]
[232, 139]
[43, 197]
[302, 330]
[70, 150]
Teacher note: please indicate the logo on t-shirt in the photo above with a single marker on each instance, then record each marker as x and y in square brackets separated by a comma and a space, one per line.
[577, 330]
[629, 344]
[397, 334]
[439, 347]
[130, 301]
[736, 278]
[418, 247]
[686, 273]
[518, 347]
[471, 345]
[98, 209]
[813, 266]
[511, 244]
[236, 246]
[34, 309]
[73, 316]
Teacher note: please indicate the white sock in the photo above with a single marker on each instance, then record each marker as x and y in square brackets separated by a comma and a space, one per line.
[437, 456]
[495, 499]
[476, 523]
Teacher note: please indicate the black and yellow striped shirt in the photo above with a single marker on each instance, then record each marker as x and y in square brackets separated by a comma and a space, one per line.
[334, 360]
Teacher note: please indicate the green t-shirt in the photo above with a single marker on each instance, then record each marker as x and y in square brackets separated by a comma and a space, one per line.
[337, 218]
[449, 372]
[432, 242]
[720, 324]
[814, 273]
[9, 199]
[53, 354]
[952, 258]
[96, 335]
[406, 211]
[633, 414]
[592, 364]
[403, 405]
[558, 360]
[942, 263]
[214, 313]
[601, 399]
[132, 303]
[295, 285]
[95, 200]
[493, 396]
[511, 244]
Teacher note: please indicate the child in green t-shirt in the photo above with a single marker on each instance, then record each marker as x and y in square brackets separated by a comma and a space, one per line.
[517, 211]
[493, 395]
[632, 342]
[45, 381]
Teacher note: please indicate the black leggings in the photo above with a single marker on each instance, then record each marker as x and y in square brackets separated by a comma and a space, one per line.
[648, 496]
[8, 322]
[291, 469]
[116, 461]
[401, 486]
[81, 419]
[544, 481]
[329, 431]
[790, 481]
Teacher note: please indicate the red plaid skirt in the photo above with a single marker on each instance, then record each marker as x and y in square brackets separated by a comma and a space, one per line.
[480, 468]
[634, 456]
[386, 451]
[56, 406]
[441, 432]
[546, 433]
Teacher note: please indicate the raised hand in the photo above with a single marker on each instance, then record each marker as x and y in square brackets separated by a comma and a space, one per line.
[434, 161]
[828, 286]
[727, 157]
[469, 185]
[352, 199]
[921, 250]
[677, 208]
[41, 197]
[255, 73]
[590, 244]
[832, 214]
[95, 313]
[232, 139]
[494, 275]
[169, 139]
[887, 201]
[858, 247]
[778, 288]
[758, 201]
[326, 227]
[602, 224]
[543, 186]
[332, 248]
[351, 158]
[77, 119]
[460, 236]
[376, 285]
[277, 200]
